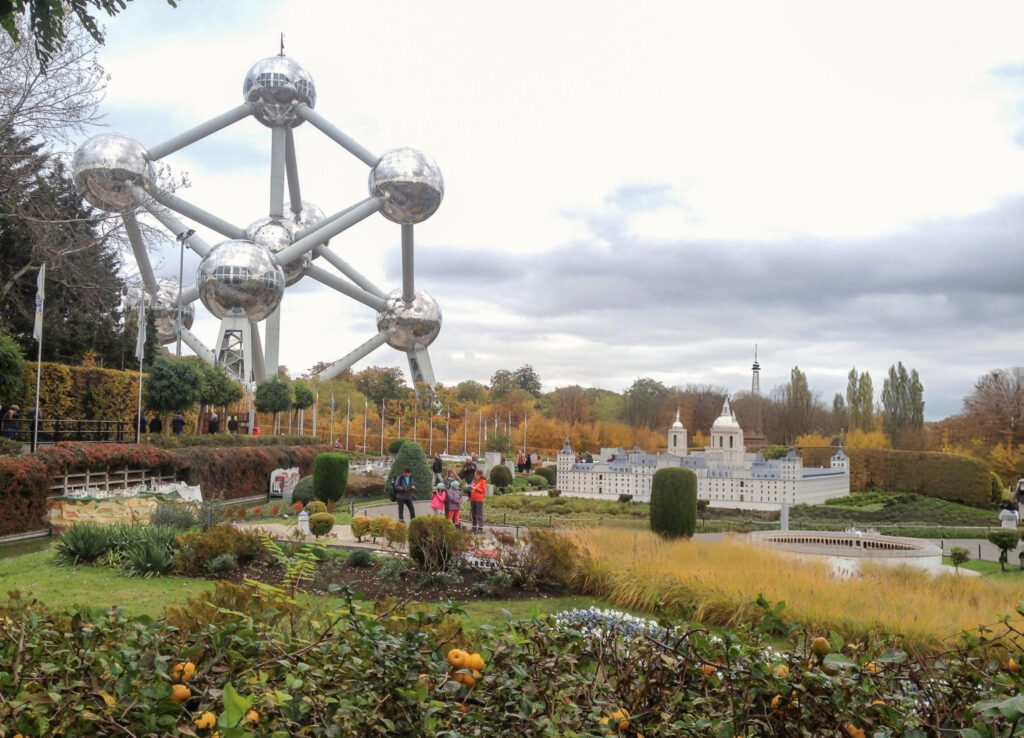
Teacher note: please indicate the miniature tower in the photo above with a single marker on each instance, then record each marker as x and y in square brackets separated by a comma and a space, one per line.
[727, 436]
[677, 438]
[564, 461]
[755, 392]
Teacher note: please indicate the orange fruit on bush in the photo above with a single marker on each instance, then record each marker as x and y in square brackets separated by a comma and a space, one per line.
[853, 731]
[205, 721]
[782, 671]
[820, 647]
[877, 702]
[872, 668]
[476, 661]
[457, 658]
[707, 670]
[252, 717]
[184, 670]
[776, 701]
[180, 693]
[1012, 666]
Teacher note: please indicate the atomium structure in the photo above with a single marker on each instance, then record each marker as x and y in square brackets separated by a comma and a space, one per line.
[242, 280]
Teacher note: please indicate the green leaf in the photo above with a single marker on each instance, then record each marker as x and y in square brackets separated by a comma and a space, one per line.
[837, 659]
[235, 707]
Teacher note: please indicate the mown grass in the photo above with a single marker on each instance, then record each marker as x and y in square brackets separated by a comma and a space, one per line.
[991, 569]
[95, 586]
[719, 582]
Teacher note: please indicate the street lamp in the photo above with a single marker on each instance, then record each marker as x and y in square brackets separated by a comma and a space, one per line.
[182, 237]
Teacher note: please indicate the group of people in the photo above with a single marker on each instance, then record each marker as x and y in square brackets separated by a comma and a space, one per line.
[178, 424]
[446, 498]
[10, 420]
[524, 463]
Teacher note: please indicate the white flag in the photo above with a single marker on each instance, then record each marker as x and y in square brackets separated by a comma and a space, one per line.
[37, 331]
[140, 341]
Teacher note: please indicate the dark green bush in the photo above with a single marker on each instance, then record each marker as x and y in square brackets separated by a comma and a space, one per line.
[397, 444]
[625, 498]
[1004, 540]
[359, 557]
[674, 502]
[500, 476]
[222, 564]
[330, 476]
[149, 558]
[998, 491]
[314, 507]
[434, 542]
[320, 524]
[82, 543]
[303, 490]
[200, 547]
[210, 513]
[412, 456]
[548, 472]
[174, 513]
[775, 452]
[536, 480]
[554, 492]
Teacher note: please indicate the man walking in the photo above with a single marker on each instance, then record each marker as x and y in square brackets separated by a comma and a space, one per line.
[438, 468]
[404, 488]
[178, 424]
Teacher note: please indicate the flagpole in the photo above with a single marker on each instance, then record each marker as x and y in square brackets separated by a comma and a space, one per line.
[40, 299]
[399, 420]
[465, 432]
[431, 431]
[382, 427]
[142, 352]
[366, 411]
[447, 429]
[331, 442]
[316, 411]
[348, 419]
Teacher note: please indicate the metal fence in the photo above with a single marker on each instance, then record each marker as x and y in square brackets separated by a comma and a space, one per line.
[55, 430]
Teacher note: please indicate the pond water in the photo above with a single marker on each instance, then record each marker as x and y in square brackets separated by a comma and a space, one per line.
[10, 550]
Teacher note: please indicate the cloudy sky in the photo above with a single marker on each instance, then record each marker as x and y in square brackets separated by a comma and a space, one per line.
[641, 189]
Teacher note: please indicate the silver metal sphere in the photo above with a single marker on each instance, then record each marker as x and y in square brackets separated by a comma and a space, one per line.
[415, 324]
[308, 216]
[240, 278]
[275, 86]
[104, 165]
[277, 234]
[164, 308]
[410, 183]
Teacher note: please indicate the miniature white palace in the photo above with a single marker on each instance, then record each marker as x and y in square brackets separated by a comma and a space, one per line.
[727, 476]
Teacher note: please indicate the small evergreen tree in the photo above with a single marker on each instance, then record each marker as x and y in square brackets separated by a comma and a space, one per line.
[173, 385]
[330, 476]
[959, 556]
[12, 364]
[412, 456]
[397, 444]
[501, 476]
[273, 396]
[1004, 540]
[674, 502]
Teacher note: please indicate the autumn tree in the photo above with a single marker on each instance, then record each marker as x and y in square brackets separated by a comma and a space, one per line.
[527, 380]
[997, 405]
[382, 382]
[471, 391]
[502, 382]
[644, 400]
[903, 407]
[571, 405]
[860, 401]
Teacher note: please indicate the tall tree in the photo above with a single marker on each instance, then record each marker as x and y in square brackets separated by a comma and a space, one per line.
[502, 382]
[382, 382]
[471, 391]
[853, 421]
[799, 404]
[840, 415]
[997, 404]
[571, 405]
[644, 399]
[12, 365]
[173, 385]
[865, 402]
[527, 379]
[273, 395]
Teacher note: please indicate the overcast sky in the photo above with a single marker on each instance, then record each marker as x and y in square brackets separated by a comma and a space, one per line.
[641, 189]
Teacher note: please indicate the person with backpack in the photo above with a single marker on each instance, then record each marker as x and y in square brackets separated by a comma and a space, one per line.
[439, 498]
[453, 501]
[404, 487]
[438, 469]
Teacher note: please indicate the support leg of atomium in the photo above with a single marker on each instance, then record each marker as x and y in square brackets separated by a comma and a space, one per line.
[235, 348]
[420, 368]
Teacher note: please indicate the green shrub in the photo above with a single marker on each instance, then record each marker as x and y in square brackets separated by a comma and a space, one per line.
[320, 524]
[674, 502]
[536, 480]
[553, 492]
[174, 513]
[210, 513]
[82, 543]
[625, 498]
[998, 490]
[330, 476]
[314, 507]
[222, 564]
[397, 444]
[303, 490]
[775, 452]
[550, 558]
[359, 557]
[548, 472]
[391, 571]
[360, 527]
[397, 533]
[493, 584]
[200, 547]
[959, 556]
[500, 476]
[435, 544]
[412, 456]
[379, 527]
[149, 558]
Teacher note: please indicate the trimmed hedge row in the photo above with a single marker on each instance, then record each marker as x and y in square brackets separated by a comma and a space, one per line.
[235, 472]
[227, 440]
[945, 476]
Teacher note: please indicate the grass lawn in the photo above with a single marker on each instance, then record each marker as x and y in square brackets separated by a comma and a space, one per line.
[991, 569]
[95, 586]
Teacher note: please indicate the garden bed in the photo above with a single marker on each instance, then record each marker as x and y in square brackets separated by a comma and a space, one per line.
[371, 583]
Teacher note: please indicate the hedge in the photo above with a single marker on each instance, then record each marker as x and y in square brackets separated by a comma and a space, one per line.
[945, 476]
[330, 476]
[674, 502]
[228, 440]
[228, 472]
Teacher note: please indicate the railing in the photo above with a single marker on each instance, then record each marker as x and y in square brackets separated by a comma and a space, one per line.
[54, 431]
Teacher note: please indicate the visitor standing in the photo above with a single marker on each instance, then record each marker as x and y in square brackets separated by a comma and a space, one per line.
[12, 421]
[156, 425]
[468, 471]
[476, 501]
[233, 425]
[438, 469]
[140, 422]
[529, 464]
[520, 462]
[453, 502]
[1008, 515]
[178, 424]
[439, 498]
[404, 488]
[214, 424]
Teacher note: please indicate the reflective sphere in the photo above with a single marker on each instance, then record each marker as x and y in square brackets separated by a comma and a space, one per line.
[410, 183]
[415, 325]
[275, 86]
[240, 279]
[104, 164]
[277, 234]
[309, 215]
[164, 309]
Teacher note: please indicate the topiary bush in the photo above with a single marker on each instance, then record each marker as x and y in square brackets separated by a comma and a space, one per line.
[360, 557]
[200, 547]
[360, 527]
[412, 456]
[379, 527]
[435, 544]
[674, 502]
[500, 476]
[397, 533]
[397, 444]
[316, 506]
[548, 472]
[320, 524]
[303, 490]
[330, 476]
[536, 480]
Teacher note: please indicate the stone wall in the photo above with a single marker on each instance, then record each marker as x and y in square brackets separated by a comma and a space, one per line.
[65, 513]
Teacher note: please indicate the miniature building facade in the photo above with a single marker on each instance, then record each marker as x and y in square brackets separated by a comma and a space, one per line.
[727, 476]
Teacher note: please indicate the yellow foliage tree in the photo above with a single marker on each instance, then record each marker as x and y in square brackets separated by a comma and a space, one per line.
[810, 440]
[698, 440]
[874, 439]
[1004, 460]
